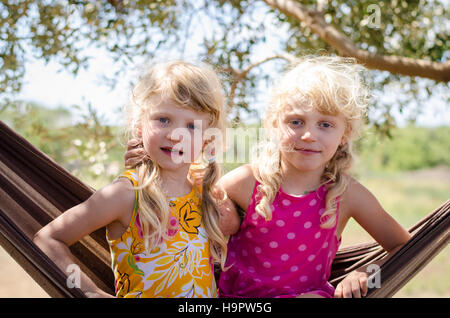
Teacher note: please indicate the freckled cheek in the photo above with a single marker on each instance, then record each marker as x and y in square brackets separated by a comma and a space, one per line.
[331, 149]
[288, 139]
[148, 145]
[151, 138]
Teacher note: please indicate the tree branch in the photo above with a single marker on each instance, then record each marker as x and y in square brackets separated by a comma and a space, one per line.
[440, 72]
[240, 75]
[283, 56]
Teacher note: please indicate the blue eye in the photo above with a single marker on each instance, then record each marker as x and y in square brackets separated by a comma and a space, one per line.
[163, 120]
[296, 122]
[325, 125]
[191, 126]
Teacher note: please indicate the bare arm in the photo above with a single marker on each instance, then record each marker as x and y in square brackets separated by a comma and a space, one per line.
[360, 204]
[367, 211]
[111, 203]
[238, 184]
[230, 221]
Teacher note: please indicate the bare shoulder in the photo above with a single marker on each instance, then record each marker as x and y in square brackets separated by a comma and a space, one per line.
[119, 193]
[356, 197]
[239, 184]
[120, 187]
[241, 174]
[114, 202]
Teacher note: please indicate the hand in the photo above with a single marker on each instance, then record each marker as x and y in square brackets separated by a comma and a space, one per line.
[229, 221]
[135, 153]
[354, 285]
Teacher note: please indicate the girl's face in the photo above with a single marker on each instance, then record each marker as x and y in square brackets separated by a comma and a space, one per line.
[309, 139]
[172, 135]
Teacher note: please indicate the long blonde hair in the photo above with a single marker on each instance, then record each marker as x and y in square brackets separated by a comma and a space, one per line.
[193, 87]
[332, 86]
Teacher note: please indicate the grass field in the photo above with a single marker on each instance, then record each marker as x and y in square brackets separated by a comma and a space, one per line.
[407, 196]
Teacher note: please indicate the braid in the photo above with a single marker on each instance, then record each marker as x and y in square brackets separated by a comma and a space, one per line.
[267, 171]
[154, 211]
[210, 215]
[337, 179]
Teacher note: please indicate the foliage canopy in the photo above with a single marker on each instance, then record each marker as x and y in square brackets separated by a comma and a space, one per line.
[240, 38]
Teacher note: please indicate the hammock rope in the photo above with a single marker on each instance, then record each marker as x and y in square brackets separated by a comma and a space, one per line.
[34, 190]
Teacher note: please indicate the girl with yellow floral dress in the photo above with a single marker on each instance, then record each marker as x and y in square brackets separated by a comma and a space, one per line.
[163, 226]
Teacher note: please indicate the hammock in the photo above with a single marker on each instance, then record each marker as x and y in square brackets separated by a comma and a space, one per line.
[34, 190]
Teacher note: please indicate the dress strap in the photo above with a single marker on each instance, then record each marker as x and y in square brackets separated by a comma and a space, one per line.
[132, 176]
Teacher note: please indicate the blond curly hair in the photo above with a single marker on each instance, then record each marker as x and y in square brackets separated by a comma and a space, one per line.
[332, 86]
[193, 87]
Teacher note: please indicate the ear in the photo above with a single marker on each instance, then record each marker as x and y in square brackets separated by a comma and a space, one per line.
[275, 123]
[138, 128]
[344, 140]
[273, 129]
[346, 136]
[206, 143]
[137, 131]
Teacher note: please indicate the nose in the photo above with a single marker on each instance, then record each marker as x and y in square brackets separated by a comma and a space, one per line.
[174, 135]
[307, 136]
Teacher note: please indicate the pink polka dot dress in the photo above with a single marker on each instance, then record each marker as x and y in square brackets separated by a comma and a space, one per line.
[284, 257]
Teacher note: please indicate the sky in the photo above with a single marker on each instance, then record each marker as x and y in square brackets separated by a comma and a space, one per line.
[50, 85]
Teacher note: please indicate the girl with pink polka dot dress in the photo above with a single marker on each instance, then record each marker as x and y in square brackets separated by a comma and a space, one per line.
[297, 192]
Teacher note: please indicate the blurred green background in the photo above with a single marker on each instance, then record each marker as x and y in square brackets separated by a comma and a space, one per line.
[409, 173]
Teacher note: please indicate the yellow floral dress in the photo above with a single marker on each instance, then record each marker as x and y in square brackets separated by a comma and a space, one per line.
[178, 267]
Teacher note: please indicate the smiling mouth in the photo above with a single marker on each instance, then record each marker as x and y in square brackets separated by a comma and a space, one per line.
[307, 150]
[169, 151]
